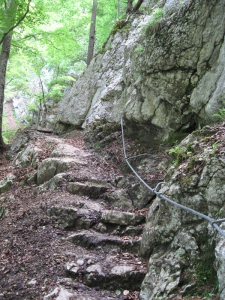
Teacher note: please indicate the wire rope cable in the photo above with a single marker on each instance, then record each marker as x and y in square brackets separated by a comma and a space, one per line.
[214, 222]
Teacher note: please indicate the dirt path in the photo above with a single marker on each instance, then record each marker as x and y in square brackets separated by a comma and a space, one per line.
[34, 246]
[69, 240]
[10, 119]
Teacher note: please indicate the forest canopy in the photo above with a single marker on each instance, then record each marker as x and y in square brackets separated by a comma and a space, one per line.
[48, 45]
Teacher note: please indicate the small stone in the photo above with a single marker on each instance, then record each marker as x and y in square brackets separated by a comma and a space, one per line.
[32, 282]
[95, 268]
[126, 292]
[72, 268]
[120, 270]
[80, 262]
[64, 295]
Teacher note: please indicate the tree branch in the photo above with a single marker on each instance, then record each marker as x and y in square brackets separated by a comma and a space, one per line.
[18, 22]
[131, 8]
[137, 5]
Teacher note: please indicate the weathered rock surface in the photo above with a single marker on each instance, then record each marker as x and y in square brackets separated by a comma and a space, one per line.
[164, 71]
[175, 238]
[121, 218]
[6, 183]
[61, 150]
[107, 272]
[92, 239]
[220, 265]
[52, 166]
[61, 293]
[27, 157]
[91, 189]
[74, 218]
[105, 239]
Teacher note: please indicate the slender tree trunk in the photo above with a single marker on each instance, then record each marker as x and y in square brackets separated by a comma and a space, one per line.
[5, 43]
[131, 8]
[137, 6]
[4, 57]
[118, 9]
[43, 106]
[92, 32]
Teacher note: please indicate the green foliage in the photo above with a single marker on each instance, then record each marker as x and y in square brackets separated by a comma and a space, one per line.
[210, 150]
[62, 80]
[8, 135]
[178, 154]
[32, 107]
[57, 86]
[154, 22]
[157, 15]
[176, 137]
[119, 25]
[51, 43]
[206, 281]
[181, 3]
[139, 49]
[221, 114]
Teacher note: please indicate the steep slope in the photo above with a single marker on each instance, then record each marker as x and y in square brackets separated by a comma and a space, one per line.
[74, 226]
[68, 226]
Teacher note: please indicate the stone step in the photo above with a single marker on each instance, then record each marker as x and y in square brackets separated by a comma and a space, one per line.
[49, 167]
[78, 292]
[88, 188]
[123, 271]
[121, 217]
[132, 231]
[74, 218]
[86, 214]
[92, 240]
[115, 222]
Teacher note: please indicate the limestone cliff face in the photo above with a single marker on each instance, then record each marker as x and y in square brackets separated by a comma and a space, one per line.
[164, 70]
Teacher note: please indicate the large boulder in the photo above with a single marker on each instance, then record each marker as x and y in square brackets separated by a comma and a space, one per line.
[27, 157]
[49, 167]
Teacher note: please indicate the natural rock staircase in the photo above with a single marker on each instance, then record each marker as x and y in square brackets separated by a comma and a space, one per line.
[107, 245]
[102, 224]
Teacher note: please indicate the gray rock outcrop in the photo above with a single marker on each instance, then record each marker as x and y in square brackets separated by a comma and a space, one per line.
[184, 249]
[6, 183]
[164, 70]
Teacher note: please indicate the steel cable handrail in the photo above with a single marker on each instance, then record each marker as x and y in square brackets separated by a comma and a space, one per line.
[212, 221]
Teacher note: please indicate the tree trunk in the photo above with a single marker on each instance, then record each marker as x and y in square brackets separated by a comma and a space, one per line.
[92, 32]
[4, 57]
[131, 8]
[119, 9]
[137, 6]
[43, 106]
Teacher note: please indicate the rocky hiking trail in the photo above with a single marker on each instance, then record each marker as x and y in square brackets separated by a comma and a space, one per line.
[69, 226]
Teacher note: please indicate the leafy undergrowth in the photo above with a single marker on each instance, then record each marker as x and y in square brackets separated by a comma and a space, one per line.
[191, 154]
